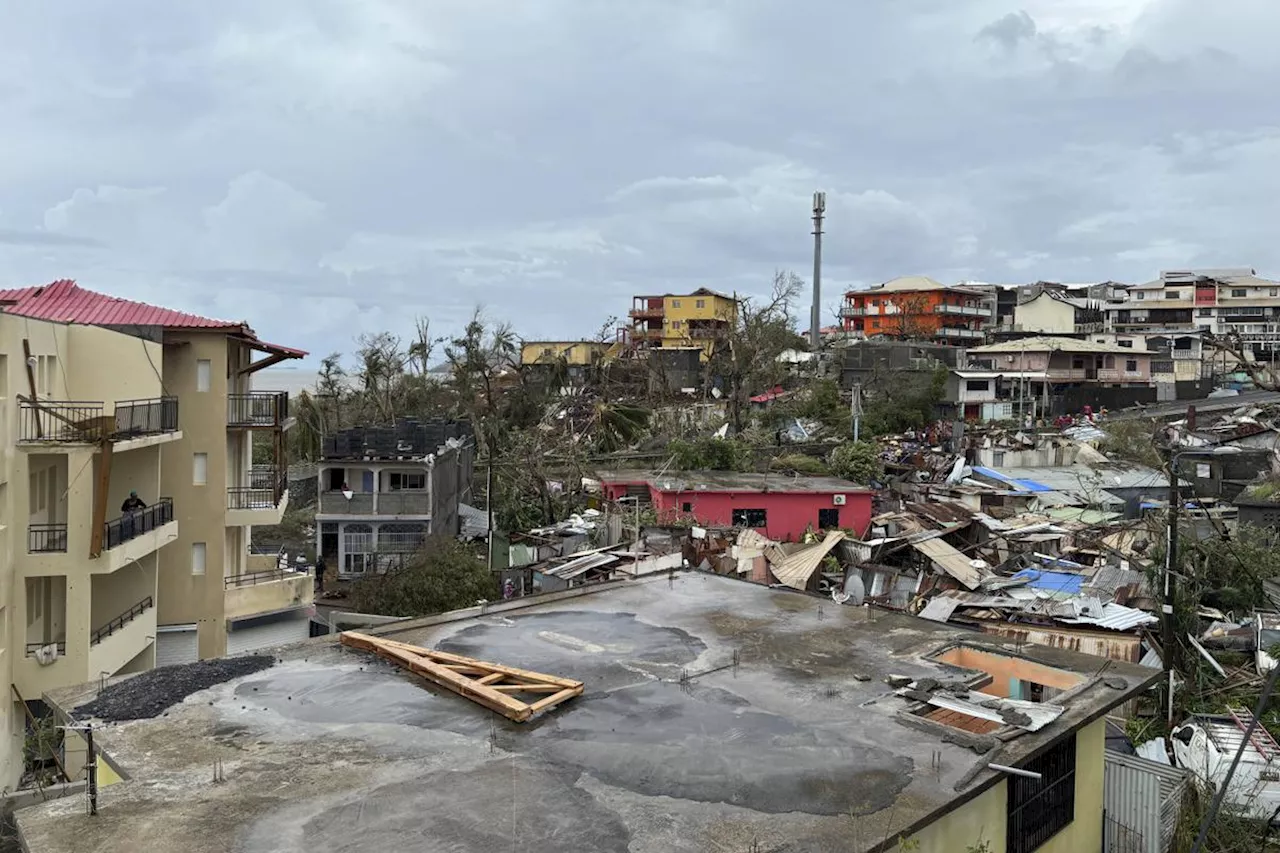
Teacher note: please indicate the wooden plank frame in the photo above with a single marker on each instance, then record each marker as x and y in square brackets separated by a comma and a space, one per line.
[489, 684]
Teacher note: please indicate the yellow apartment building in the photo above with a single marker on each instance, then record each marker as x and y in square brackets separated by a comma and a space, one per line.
[698, 319]
[573, 353]
[116, 398]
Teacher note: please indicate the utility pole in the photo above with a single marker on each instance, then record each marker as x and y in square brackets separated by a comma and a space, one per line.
[1170, 566]
[855, 409]
[815, 319]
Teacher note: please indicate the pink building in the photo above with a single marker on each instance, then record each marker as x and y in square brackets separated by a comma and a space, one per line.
[780, 507]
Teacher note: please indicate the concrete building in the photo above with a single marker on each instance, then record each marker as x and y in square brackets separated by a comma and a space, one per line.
[572, 353]
[223, 472]
[782, 508]
[698, 319]
[718, 715]
[919, 308]
[1218, 301]
[1049, 311]
[384, 490]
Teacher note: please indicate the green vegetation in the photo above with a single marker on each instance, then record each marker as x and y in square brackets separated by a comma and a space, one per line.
[445, 575]
[798, 463]
[857, 461]
[1131, 441]
[903, 402]
[711, 454]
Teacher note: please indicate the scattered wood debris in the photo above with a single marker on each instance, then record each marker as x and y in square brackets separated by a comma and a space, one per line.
[489, 684]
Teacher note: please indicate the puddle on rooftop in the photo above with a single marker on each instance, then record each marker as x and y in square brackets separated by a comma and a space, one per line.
[697, 741]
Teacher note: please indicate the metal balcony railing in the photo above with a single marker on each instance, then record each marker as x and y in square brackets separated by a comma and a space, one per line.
[46, 538]
[156, 416]
[75, 421]
[270, 576]
[258, 409]
[131, 525]
[120, 621]
[265, 488]
[86, 421]
[32, 648]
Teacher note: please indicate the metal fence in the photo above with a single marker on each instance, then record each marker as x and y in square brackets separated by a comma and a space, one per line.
[255, 578]
[62, 421]
[32, 648]
[46, 538]
[131, 525]
[258, 408]
[154, 416]
[120, 621]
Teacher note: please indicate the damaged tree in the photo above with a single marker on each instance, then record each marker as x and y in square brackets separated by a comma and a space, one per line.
[744, 353]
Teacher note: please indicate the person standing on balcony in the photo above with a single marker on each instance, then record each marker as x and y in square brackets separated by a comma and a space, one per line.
[132, 506]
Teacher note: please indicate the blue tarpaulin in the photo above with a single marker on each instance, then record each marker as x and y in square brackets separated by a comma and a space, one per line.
[1023, 485]
[1052, 581]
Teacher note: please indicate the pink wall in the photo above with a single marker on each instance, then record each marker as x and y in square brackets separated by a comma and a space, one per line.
[788, 514]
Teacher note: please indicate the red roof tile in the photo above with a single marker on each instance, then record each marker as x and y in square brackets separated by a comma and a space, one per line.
[67, 302]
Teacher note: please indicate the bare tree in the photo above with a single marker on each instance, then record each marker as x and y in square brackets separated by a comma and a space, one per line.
[419, 352]
[382, 362]
[1232, 347]
[745, 354]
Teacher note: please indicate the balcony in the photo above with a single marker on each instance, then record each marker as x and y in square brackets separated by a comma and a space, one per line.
[133, 423]
[850, 311]
[121, 639]
[1185, 354]
[1089, 328]
[266, 592]
[134, 535]
[963, 310]
[646, 313]
[703, 333]
[46, 538]
[258, 409]
[262, 501]
[955, 332]
[32, 648]
[416, 503]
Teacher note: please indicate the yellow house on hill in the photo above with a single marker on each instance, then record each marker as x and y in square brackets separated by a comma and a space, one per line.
[575, 353]
[697, 319]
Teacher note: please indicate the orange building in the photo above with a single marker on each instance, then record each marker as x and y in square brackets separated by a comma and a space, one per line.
[919, 308]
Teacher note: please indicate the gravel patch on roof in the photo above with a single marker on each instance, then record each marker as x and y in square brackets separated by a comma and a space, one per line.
[151, 693]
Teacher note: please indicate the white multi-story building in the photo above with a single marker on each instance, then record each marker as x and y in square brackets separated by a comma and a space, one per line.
[1232, 303]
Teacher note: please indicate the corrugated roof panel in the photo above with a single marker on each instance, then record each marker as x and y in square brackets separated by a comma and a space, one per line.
[1116, 617]
[796, 569]
[950, 561]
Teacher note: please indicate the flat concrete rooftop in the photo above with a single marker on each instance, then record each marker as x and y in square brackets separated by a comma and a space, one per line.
[797, 747]
[729, 481]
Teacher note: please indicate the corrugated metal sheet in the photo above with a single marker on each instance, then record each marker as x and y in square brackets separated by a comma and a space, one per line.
[939, 609]
[1116, 617]
[1117, 646]
[950, 561]
[796, 570]
[67, 302]
[1142, 800]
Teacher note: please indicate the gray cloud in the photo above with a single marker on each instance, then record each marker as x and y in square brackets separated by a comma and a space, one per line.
[324, 168]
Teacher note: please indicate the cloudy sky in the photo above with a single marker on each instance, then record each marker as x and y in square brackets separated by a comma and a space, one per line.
[327, 167]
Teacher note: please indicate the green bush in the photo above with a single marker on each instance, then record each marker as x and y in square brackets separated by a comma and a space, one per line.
[445, 575]
[711, 454]
[799, 464]
[857, 461]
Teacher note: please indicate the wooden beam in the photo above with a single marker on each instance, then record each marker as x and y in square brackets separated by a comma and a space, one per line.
[31, 384]
[487, 684]
[100, 494]
[269, 361]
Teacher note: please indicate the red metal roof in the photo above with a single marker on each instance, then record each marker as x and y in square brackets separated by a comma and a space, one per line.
[67, 302]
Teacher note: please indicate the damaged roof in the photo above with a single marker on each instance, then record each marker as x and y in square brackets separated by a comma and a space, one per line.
[738, 713]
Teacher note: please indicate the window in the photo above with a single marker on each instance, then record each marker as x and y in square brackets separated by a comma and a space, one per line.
[702, 303]
[829, 519]
[675, 303]
[979, 385]
[547, 351]
[1239, 293]
[46, 374]
[404, 482]
[199, 469]
[750, 518]
[1162, 367]
[997, 458]
[1141, 295]
[675, 324]
[1273, 292]
[686, 507]
[1131, 365]
[1125, 344]
[1109, 362]
[1206, 312]
[198, 553]
[1172, 294]
[1039, 808]
[204, 374]
[875, 324]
